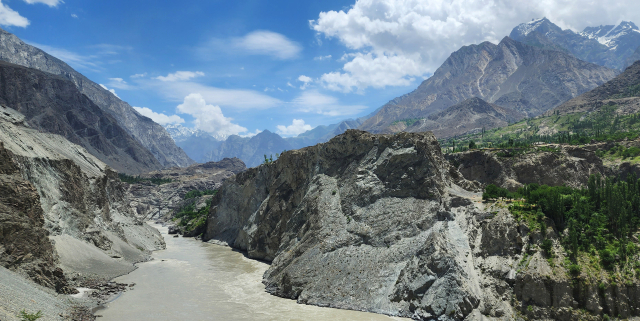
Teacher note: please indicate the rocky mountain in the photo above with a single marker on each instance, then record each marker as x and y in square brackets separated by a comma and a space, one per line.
[53, 104]
[471, 115]
[64, 214]
[623, 91]
[608, 46]
[151, 135]
[383, 223]
[633, 58]
[511, 74]
[203, 147]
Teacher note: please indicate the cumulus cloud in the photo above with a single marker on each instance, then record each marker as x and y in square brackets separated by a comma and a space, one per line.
[50, 3]
[9, 17]
[161, 119]
[208, 118]
[251, 134]
[296, 128]
[181, 76]
[399, 40]
[109, 90]
[312, 101]
[305, 80]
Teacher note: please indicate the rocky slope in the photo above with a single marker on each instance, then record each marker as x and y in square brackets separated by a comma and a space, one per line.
[623, 91]
[633, 58]
[471, 115]
[83, 203]
[381, 223]
[159, 202]
[53, 104]
[511, 74]
[608, 46]
[151, 135]
[569, 165]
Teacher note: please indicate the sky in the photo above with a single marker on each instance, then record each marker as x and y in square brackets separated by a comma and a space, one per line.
[240, 67]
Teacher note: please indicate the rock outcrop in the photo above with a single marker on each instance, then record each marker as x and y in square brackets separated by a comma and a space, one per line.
[159, 202]
[151, 135]
[24, 243]
[568, 165]
[82, 202]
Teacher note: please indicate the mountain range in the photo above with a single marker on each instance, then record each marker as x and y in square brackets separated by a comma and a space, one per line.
[608, 46]
[514, 75]
[149, 134]
[203, 147]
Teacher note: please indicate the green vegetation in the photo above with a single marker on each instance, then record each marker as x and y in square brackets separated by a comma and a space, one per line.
[408, 121]
[574, 129]
[493, 192]
[196, 193]
[24, 316]
[599, 220]
[632, 91]
[268, 160]
[137, 179]
[188, 216]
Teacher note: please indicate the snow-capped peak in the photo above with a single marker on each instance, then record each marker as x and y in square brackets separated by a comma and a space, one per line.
[608, 35]
[181, 133]
[526, 28]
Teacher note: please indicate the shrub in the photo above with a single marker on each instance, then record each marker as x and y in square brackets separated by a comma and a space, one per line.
[24, 316]
[546, 246]
[575, 269]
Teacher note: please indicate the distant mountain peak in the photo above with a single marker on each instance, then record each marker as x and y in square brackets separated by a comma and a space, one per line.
[542, 25]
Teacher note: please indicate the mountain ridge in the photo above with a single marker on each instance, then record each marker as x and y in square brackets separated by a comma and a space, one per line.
[151, 135]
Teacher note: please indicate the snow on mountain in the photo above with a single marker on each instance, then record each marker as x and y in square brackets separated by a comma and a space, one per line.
[180, 133]
[610, 35]
[526, 28]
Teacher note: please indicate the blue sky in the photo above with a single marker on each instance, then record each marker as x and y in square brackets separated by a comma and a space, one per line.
[234, 67]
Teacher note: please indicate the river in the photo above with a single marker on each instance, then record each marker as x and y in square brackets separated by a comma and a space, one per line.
[192, 280]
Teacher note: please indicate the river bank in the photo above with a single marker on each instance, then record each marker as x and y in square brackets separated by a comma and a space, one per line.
[201, 281]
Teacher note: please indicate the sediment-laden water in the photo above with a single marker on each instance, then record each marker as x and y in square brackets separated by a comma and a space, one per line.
[192, 280]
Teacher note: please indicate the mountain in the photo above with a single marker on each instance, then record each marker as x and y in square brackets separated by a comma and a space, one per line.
[53, 104]
[633, 58]
[608, 46]
[471, 115]
[203, 147]
[624, 91]
[151, 135]
[514, 75]
[250, 150]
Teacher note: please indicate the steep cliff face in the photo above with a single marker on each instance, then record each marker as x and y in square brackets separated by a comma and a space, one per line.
[382, 223]
[85, 210]
[511, 74]
[151, 135]
[53, 104]
[24, 245]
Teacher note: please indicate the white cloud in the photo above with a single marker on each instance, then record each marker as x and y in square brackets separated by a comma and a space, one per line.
[252, 134]
[73, 15]
[209, 118]
[320, 58]
[161, 119]
[290, 85]
[397, 40]
[78, 61]
[50, 3]
[138, 75]
[296, 128]
[235, 98]
[260, 42]
[181, 76]
[263, 42]
[8, 17]
[109, 90]
[306, 81]
[312, 101]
